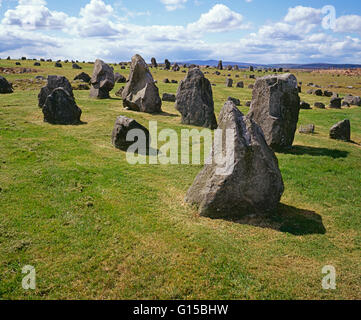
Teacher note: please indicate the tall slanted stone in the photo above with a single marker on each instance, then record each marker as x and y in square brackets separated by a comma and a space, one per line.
[275, 108]
[121, 128]
[341, 131]
[220, 65]
[167, 64]
[253, 186]
[141, 93]
[5, 86]
[195, 100]
[54, 82]
[154, 63]
[60, 108]
[102, 81]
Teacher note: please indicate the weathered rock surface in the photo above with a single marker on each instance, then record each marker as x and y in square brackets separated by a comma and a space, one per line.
[141, 93]
[319, 105]
[195, 100]
[60, 108]
[275, 108]
[220, 65]
[154, 63]
[76, 66]
[336, 103]
[118, 78]
[83, 77]
[353, 100]
[102, 81]
[167, 64]
[5, 86]
[240, 84]
[308, 129]
[341, 131]
[236, 101]
[304, 105]
[121, 128]
[255, 184]
[169, 97]
[229, 82]
[54, 82]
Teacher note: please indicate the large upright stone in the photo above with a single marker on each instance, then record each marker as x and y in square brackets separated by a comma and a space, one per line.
[252, 182]
[154, 63]
[60, 108]
[54, 82]
[195, 100]
[141, 93]
[341, 131]
[275, 108]
[167, 64]
[122, 127]
[220, 65]
[5, 86]
[102, 81]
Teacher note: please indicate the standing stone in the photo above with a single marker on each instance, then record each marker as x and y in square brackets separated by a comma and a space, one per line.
[54, 82]
[341, 131]
[167, 64]
[102, 81]
[229, 82]
[255, 184]
[154, 63]
[176, 67]
[275, 108]
[5, 86]
[335, 103]
[76, 66]
[220, 65]
[121, 128]
[308, 129]
[236, 68]
[353, 100]
[251, 68]
[60, 108]
[305, 106]
[240, 84]
[118, 78]
[141, 93]
[83, 77]
[195, 100]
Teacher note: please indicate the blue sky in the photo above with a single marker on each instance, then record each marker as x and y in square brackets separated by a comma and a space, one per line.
[255, 31]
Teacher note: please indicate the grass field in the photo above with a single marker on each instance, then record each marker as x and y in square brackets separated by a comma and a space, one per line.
[95, 227]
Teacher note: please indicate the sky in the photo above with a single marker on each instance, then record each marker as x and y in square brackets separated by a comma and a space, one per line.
[250, 31]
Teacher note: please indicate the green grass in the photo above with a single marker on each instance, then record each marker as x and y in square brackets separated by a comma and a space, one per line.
[96, 227]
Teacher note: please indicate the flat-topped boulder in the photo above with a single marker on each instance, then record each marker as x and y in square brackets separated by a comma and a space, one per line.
[53, 83]
[249, 183]
[195, 100]
[60, 108]
[275, 108]
[5, 86]
[141, 93]
[102, 81]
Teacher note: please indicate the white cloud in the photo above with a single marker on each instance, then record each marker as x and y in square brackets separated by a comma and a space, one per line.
[219, 19]
[348, 23]
[172, 5]
[303, 14]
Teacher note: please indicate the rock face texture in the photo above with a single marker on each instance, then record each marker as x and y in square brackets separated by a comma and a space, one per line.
[54, 82]
[83, 77]
[167, 64]
[76, 66]
[229, 83]
[168, 97]
[5, 86]
[353, 100]
[195, 100]
[220, 65]
[255, 184]
[121, 128]
[118, 78]
[304, 105]
[102, 81]
[60, 108]
[275, 108]
[141, 93]
[240, 84]
[341, 131]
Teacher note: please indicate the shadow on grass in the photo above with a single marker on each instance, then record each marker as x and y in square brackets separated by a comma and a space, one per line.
[289, 219]
[166, 114]
[316, 152]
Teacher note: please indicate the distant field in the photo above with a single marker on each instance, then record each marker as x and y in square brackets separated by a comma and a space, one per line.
[95, 227]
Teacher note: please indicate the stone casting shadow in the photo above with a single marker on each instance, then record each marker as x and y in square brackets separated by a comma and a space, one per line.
[288, 219]
[316, 152]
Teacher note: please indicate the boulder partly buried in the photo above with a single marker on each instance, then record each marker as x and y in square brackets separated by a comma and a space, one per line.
[195, 100]
[5, 86]
[341, 131]
[141, 93]
[255, 184]
[54, 82]
[275, 108]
